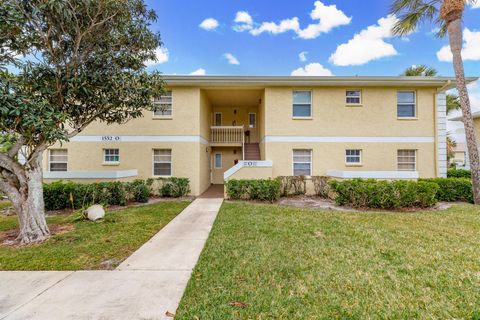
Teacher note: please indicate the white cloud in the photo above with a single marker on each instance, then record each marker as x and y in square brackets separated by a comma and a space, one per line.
[231, 59]
[312, 69]
[328, 18]
[303, 56]
[470, 51]
[209, 24]
[243, 21]
[162, 56]
[367, 45]
[198, 72]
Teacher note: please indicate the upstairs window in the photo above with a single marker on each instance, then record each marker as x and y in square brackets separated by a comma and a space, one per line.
[406, 104]
[353, 97]
[218, 119]
[58, 160]
[302, 104]
[407, 160]
[302, 162]
[163, 105]
[111, 156]
[353, 156]
[162, 162]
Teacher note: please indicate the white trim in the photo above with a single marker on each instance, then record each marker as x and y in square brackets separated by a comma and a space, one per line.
[359, 163]
[348, 139]
[373, 174]
[310, 163]
[311, 105]
[105, 162]
[248, 164]
[350, 104]
[442, 135]
[90, 174]
[168, 116]
[415, 116]
[142, 139]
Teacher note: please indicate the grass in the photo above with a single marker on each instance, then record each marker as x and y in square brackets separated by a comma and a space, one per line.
[287, 263]
[89, 243]
[4, 204]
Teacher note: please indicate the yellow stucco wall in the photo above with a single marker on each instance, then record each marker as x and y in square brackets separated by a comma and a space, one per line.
[228, 160]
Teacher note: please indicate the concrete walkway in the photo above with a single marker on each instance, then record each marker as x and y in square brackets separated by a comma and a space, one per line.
[146, 285]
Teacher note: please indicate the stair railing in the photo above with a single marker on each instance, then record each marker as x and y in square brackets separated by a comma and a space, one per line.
[243, 144]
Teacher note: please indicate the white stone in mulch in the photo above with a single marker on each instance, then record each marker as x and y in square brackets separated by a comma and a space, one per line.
[95, 212]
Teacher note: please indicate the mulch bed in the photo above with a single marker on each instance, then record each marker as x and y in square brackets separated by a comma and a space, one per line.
[8, 237]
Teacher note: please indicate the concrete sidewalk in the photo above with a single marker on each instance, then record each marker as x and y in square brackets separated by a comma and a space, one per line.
[145, 286]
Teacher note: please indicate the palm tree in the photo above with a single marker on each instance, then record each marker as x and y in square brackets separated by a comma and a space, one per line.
[447, 14]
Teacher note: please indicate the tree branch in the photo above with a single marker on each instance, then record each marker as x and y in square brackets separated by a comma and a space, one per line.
[16, 147]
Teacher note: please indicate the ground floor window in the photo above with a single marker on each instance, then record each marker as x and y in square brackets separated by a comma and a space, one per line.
[353, 156]
[162, 162]
[218, 160]
[302, 162]
[111, 155]
[407, 160]
[58, 160]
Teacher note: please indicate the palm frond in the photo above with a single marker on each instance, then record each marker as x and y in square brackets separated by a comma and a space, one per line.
[420, 71]
[413, 12]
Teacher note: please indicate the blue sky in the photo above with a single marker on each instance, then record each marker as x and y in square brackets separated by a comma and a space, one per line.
[266, 37]
[191, 47]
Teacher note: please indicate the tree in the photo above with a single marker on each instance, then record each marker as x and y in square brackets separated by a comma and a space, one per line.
[451, 144]
[447, 14]
[85, 63]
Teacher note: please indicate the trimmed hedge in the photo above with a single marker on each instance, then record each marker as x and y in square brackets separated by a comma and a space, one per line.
[381, 194]
[458, 173]
[261, 189]
[453, 189]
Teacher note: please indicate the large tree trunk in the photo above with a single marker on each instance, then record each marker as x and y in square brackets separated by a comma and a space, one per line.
[456, 42]
[29, 205]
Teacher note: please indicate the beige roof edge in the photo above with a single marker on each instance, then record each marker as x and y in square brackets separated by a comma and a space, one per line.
[475, 115]
[445, 83]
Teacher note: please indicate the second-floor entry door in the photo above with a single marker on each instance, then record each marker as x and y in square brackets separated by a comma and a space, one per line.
[218, 119]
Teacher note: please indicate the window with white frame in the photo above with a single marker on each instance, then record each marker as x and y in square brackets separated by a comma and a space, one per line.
[302, 162]
[407, 160]
[252, 120]
[163, 105]
[111, 155]
[218, 160]
[353, 156]
[406, 104]
[302, 104]
[353, 97]
[58, 160]
[162, 162]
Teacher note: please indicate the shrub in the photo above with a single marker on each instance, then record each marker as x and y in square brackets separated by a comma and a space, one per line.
[261, 189]
[360, 193]
[453, 189]
[458, 173]
[174, 187]
[138, 190]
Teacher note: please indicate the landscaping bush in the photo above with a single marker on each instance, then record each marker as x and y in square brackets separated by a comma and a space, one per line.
[453, 189]
[261, 189]
[138, 190]
[371, 193]
[458, 173]
[174, 187]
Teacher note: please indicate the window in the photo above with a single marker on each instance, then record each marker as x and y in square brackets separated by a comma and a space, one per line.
[302, 104]
[163, 105]
[218, 119]
[252, 120]
[406, 104]
[218, 160]
[406, 160]
[111, 156]
[162, 162]
[302, 162]
[353, 156]
[354, 97]
[58, 160]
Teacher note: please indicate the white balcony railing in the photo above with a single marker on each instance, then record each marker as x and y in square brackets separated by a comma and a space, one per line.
[226, 134]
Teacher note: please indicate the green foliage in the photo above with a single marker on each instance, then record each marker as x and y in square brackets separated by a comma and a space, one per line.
[261, 189]
[458, 173]
[453, 189]
[420, 71]
[174, 187]
[138, 190]
[381, 194]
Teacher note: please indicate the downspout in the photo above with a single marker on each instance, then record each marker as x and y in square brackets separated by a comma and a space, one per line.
[447, 84]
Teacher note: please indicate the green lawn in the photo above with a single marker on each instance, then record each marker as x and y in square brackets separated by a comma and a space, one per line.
[90, 243]
[4, 204]
[287, 263]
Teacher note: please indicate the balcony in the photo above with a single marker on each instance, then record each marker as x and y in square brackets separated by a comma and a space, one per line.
[227, 136]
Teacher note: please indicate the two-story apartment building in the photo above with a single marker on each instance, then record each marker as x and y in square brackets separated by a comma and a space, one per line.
[213, 128]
